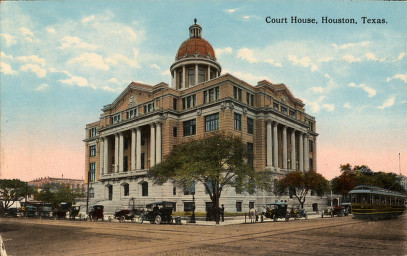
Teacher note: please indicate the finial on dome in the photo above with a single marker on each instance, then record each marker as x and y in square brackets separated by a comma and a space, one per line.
[195, 20]
[195, 31]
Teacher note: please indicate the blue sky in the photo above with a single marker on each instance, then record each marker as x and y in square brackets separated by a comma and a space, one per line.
[62, 61]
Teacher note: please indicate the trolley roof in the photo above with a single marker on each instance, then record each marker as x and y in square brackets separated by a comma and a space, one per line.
[364, 189]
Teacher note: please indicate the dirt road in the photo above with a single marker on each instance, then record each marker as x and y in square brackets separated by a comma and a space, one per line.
[327, 236]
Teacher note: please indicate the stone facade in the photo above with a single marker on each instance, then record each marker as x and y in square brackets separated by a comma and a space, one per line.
[142, 125]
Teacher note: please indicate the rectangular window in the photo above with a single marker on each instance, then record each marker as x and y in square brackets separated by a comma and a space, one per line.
[251, 205]
[310, 126]
[143, 160]
[174, 104]
[132, 113]
[250, 126]
[92, 150]
[189, 127]
[212, 122]
[191, 76]
[126, 190]
[117, 118]
[93, 132]
[174, 190]
[237, 93]
[210, 186]
[311, 164]
[292, 113]
[175, 131]
[276, 105]
[188, 206]
[201, 75]
[189, 102]
[284, 110]
[250, 159]
[205, 96]
[238, 206]
[250, 99]
[311, 146]
[92, 170]
[190, 190]
[148, 108]
[211, 95]
[238, 122]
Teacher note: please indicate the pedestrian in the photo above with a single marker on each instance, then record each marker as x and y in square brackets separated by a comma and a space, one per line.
[222, 212]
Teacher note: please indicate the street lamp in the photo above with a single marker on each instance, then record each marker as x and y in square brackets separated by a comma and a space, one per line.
[193, 208]
[87, 194]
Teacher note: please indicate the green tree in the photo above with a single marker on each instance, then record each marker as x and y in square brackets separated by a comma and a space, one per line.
[299, 184]
[56, 194]
[215, 161]
[13, 190]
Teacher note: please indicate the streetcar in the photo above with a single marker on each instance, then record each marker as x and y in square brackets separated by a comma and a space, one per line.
[374, 203]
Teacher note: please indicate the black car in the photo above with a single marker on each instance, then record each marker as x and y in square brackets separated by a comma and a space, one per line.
[277, 210]
[158, 212]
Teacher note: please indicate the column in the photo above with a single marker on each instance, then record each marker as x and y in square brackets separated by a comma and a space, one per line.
[269, 146]
[116, 152]
[284, 147]
[133, 149]
[196, 74]
[158, 143]
[106, 155]
[121, 149]
[101, 156]
[138, 148]
[175, 79]
[275, 146]
[293, 160]
[183, 77]
[306, 153]
[209, 73]
[152, 146]
[301, 160]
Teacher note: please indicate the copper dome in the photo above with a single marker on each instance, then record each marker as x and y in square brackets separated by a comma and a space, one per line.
[195, 45]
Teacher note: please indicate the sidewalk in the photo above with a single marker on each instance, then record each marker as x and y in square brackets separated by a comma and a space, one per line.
[240, 220]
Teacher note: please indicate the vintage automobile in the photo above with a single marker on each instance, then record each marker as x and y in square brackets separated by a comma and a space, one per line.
[277, 210]
[96, 212]
[123, 215]
[158, 212]
[61, 210]
[45, 211]
[74, 211]
[298, 213]
[30, 211]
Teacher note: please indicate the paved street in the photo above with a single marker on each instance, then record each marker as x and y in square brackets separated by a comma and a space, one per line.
[315, 236]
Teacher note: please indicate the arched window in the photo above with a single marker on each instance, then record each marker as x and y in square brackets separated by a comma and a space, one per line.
[315, 207]
[109, 189]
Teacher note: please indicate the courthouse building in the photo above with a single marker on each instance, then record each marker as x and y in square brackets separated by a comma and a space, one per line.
[140, 127]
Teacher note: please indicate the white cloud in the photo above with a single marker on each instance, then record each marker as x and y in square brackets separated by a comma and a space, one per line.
[350, 58]
[6, 69]
[273, 62]
[325, 59]
[40, 72]
[76, 80]
[304, 61]
[41, 87]
[246, 54]
[317, 89]
[32, 59]
[109, 89]
[231, 10]
[347, 105]
[314, 106]
[166, 73]
[371, 56]
[329, 107]
[92, 60]
[5, 56]
[387, 103]
[117, 59]
[402, 77]
[247, 77]
[51, 30]
[87, 19]
[27, 33]
[155, 66]
[219, 51]
[73, 41]
[10, 40]
[401, 56]
[351, 45]
[370, 91]
[114, 80]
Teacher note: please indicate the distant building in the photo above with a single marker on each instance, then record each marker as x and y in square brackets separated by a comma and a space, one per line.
[75, 184]
[403, 181]
[142, 125]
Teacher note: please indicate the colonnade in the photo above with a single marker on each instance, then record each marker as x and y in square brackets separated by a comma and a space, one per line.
[272, 147]
[135, 149]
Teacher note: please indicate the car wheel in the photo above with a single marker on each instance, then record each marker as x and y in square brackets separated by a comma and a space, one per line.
[122, 219]
[110, 219]
[140, 219]
[158, 219]
[170, 220]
